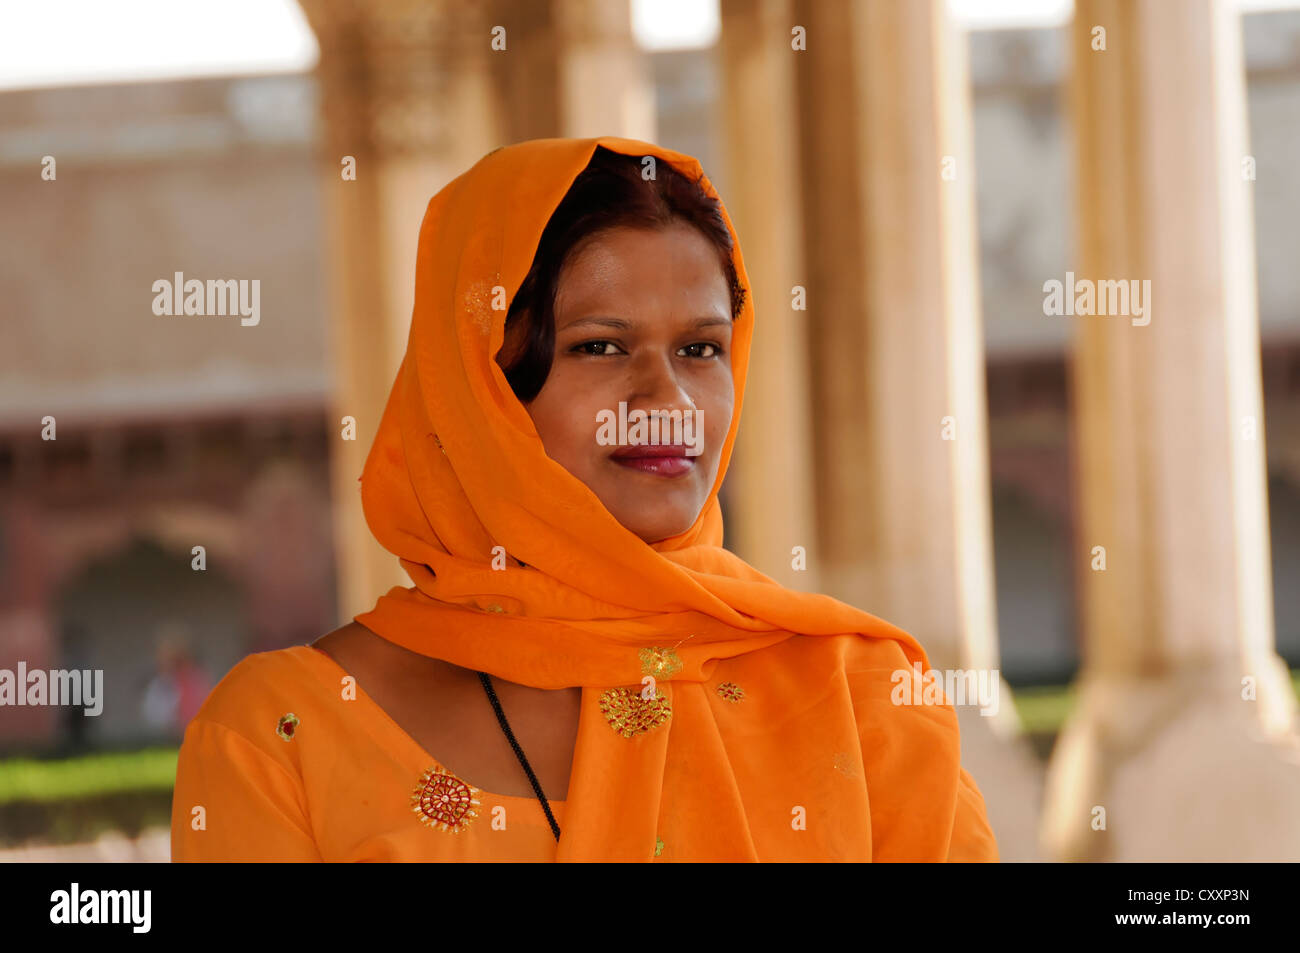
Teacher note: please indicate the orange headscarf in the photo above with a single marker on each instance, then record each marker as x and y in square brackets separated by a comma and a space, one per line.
[457, 469]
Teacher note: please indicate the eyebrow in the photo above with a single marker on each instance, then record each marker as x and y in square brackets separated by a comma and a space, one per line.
[623, 325]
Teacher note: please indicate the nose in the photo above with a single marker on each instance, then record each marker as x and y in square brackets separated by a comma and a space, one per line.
[655, 385]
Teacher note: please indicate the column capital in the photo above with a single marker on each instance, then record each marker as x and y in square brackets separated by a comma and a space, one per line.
[387, 70]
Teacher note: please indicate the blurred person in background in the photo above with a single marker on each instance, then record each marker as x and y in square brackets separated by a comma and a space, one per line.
[177, 690]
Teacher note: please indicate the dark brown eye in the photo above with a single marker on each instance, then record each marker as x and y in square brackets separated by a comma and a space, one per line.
[596, 348]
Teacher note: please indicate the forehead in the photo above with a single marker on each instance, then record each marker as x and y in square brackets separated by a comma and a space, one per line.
[650, 268]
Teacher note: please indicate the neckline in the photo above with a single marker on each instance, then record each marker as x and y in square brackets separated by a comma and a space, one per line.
[404, 739]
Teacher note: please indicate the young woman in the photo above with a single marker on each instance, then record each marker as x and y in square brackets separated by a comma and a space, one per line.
[581, 672]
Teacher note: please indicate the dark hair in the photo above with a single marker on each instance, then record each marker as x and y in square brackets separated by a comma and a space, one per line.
[608, 193]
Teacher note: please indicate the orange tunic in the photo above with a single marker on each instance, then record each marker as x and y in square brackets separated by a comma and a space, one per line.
[339, 785]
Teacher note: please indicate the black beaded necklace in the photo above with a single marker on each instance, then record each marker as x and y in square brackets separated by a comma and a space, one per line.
[519, 752]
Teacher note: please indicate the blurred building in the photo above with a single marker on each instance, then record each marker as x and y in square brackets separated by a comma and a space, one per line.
[172, 432]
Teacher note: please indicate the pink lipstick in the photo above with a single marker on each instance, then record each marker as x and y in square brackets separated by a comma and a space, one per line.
[666, 459]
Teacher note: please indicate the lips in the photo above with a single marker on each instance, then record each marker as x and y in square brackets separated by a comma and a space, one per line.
[667, 459]
[652, 450]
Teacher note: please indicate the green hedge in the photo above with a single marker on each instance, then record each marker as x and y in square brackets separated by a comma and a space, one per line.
[43, 780]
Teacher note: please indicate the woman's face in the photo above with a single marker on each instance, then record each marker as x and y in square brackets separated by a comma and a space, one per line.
[642, 317]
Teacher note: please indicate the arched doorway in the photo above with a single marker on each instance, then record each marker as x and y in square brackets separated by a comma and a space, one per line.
[131, 611]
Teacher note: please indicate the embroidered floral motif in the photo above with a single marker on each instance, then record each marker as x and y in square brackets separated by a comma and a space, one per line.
[659, 847]
[629, 714]
[660, 662]
[444, 801]
[731, 691]
[287, 727]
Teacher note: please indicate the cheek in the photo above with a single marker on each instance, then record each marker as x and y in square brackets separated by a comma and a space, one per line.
[565, 421]
[720, 408]
[716, 435]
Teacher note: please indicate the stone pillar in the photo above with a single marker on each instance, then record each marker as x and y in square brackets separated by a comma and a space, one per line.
[569, 68]
[897, 355]
[606, 88]
[771, 478]
[405, 91]
[1182, 739]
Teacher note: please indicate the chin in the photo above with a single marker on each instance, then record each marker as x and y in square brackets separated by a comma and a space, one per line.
[653, 533]
[652, 523]
[651, 538]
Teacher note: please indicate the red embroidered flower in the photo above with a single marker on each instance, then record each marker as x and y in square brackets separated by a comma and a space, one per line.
[445, 801]
[287, 727]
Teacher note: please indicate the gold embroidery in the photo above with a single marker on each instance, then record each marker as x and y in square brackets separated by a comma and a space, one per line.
[478, 302]
[629, 714]
[444, 801]
[660, 662]
[659, 847]
[731, 692]
[287, 727]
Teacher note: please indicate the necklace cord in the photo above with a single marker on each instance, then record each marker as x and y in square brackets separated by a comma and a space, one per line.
[486, 681]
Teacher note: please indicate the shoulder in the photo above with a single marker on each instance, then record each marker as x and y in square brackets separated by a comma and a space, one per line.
[857, 667]
[850, 654]
[877, 657]
[875, 669]
[239, 740]
[263, 688]
[862, 657]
